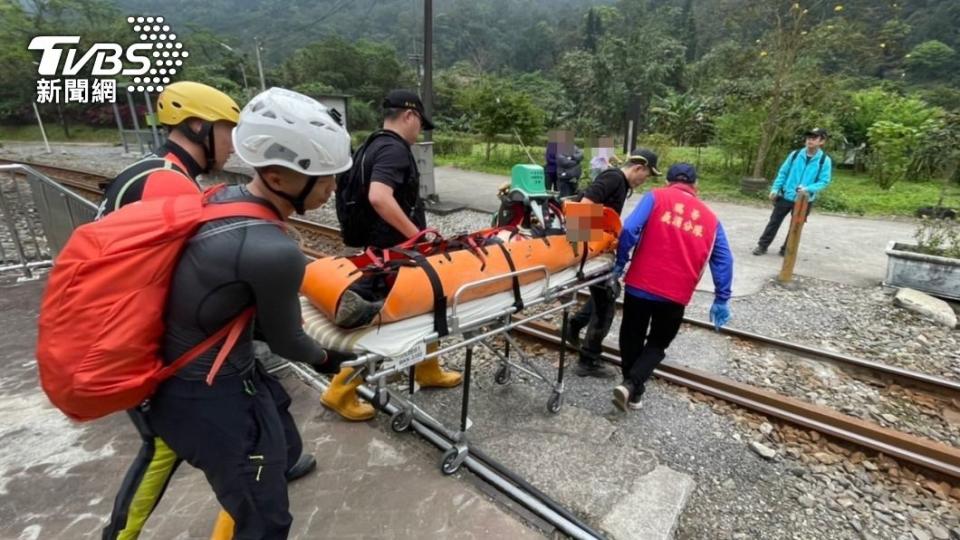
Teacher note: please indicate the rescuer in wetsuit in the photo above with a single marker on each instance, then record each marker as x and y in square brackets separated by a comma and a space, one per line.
[199, 119]
[234, 430]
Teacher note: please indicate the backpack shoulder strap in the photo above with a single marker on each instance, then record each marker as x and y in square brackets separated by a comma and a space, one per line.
[153, 165]
[793, 157]
[215, 211]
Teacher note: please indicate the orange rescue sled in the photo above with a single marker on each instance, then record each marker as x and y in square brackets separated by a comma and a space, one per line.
[421, 276]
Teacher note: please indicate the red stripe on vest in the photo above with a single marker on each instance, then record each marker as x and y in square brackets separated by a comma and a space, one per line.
[675, 245]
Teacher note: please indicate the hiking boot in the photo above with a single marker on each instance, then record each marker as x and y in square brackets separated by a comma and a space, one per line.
[587, 368]
[223, 527]
[783, 251]
[304, 466]
[759, 250]
[341, 396]
[429, 374]
[354, 311]
[621, 395]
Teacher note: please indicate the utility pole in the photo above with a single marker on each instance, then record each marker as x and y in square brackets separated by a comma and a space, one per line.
[428, 64]
[243, 61]
[263, 83]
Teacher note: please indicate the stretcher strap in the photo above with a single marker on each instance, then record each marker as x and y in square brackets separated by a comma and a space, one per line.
[439, 298]
[517, 296]
[583, 261]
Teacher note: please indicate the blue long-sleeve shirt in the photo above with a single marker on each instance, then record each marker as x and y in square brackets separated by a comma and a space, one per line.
[800, 170]
[721, 258]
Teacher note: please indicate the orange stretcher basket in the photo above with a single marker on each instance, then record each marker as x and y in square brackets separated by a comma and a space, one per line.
[409, 274]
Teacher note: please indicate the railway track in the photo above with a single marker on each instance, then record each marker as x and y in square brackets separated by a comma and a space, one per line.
[930, 455]
[925, 453]
[941, 386]
[318, 239]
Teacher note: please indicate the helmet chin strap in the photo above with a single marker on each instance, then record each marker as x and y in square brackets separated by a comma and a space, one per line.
[298, 200]
[203, 138]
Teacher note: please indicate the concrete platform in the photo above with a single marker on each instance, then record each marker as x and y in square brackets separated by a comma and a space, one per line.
[58, 479]
[836, 248]
[621, 490]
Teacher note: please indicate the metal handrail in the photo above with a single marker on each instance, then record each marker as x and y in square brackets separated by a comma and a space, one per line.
[60, 211]
[454, 320]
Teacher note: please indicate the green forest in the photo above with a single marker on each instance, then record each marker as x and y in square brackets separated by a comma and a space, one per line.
[729, 83]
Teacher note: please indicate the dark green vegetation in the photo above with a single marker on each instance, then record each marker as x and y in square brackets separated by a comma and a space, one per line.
[735, 80]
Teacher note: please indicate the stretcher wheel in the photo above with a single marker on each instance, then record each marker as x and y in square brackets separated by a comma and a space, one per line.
[503, 375]
[451, 461]
[555, 402]
[400, 421]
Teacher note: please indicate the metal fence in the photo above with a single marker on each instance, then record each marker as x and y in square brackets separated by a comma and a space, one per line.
[37, 216]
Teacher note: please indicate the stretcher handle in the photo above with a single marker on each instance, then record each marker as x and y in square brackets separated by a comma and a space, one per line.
[499, 277]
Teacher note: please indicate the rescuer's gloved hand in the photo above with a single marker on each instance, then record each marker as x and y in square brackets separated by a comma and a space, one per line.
[719, 314]
[613, 287]
[331, 364]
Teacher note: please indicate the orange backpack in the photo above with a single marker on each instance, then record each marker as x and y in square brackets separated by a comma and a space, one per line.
[102, 315]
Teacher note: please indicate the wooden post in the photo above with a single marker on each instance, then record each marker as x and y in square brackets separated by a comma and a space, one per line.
[797, 220]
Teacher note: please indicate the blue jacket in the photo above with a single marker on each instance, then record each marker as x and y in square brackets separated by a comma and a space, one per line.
[721, 258]
[802, 171]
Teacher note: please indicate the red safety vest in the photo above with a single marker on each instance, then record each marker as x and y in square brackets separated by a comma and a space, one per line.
[675, 245]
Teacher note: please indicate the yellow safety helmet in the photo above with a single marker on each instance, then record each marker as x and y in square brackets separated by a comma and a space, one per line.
[182, 100]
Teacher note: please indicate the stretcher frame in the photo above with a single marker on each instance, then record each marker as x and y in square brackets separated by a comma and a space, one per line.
[377, 369]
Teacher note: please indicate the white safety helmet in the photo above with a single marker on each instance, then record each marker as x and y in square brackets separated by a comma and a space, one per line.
[291, 130]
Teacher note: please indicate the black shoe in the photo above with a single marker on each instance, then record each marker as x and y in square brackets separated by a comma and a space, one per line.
[783, 251]
[621, 395]
[586, 368]
[759, 250]
[304, 466]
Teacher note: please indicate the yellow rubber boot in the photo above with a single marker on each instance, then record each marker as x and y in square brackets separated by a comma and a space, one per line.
[341, 396]
[223, 528]
[429, 374]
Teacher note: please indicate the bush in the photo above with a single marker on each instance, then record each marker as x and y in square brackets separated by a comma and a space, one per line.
[940, 237]
[891, 145]
[452, 145]
[661, 145]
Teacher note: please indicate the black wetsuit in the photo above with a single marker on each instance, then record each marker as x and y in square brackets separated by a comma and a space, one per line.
[234, 430]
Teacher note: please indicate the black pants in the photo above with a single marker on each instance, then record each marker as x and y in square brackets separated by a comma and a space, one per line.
[647, 329]
[781, 209]
[144, 484]
[236, 434]
[550, 179]
[567, 187]
[597, 315]
[148, 476]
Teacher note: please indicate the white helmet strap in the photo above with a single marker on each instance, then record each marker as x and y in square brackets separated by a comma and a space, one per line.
[297, 201]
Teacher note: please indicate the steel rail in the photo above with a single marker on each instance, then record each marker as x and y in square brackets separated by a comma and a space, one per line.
[903, 376]
[928, 454]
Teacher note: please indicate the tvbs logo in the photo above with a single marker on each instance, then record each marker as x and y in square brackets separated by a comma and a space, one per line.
[107, 57]
[147, 65]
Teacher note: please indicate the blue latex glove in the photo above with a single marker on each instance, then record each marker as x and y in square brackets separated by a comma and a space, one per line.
[719, 314]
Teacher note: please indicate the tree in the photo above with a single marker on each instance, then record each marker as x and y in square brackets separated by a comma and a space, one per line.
[930, 60]
[785, 43]
[496, 109]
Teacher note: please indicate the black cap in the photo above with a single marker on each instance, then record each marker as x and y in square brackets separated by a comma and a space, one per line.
[647, 157]
[405, 99]
[682, 172]
[816, 132]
